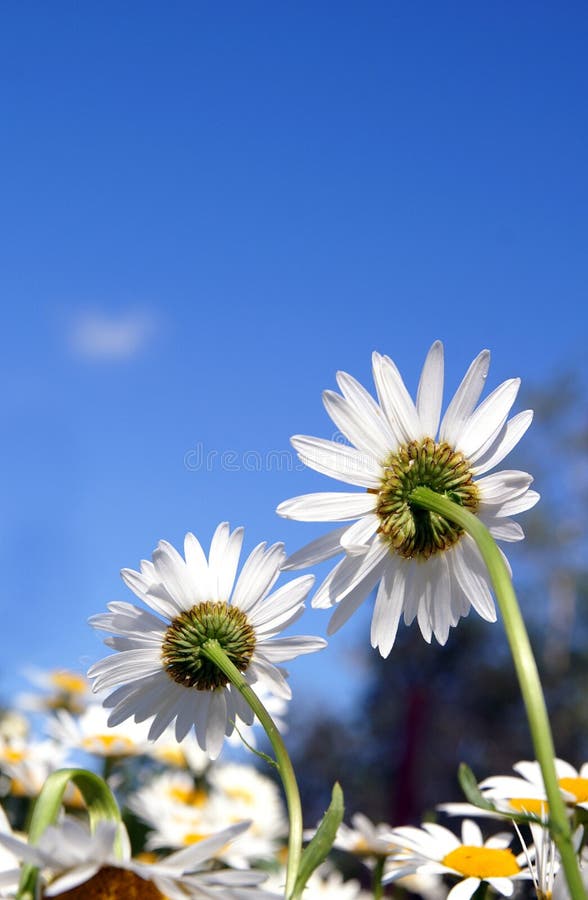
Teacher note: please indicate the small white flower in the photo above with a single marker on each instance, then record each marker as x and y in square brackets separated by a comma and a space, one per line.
[29, 763]
[159, 671]
[72, 857]
[90, 732]
[364, 838]
[434, 850]
[63, 689]
[426, 567]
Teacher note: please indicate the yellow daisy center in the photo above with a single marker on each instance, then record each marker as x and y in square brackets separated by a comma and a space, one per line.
[189, 796]
[576, 786]
[181, 652]
[111, 883]
[69, 682]
[411, 531]
[109, 744]
[529, 805]
[482, 862]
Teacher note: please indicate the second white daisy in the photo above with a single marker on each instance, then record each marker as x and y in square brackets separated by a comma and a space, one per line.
[159, 671]
[425, 566]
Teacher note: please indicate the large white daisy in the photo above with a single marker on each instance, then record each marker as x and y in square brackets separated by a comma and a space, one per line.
[435, 850]
[159, 671]
[79, 865]
[426, 567]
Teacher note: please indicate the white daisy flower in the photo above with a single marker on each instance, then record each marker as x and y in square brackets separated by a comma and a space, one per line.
[426, 567]
[91, 732]
[527, 793]
[182, 813]
[159, 670]
[28, 763]
[63, 689]
[325, 883]
[9, 863]
[78, 864]
[434, 850]
[363, 838]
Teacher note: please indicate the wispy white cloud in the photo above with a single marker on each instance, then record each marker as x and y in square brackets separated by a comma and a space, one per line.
[107, 337]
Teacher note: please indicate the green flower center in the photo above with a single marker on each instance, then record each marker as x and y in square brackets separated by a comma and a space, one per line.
[181, 650]
[414, 532]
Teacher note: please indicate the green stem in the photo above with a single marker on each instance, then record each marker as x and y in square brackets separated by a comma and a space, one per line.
[526, 669]
[377, 885]
[214, 652]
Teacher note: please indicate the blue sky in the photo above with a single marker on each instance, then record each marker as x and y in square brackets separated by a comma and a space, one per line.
[208, 209]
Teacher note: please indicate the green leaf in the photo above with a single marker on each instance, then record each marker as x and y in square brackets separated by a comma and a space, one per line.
[99, 801]
[318, 849]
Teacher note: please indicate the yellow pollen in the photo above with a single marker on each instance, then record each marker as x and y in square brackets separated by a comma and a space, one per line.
[576, 786]
[189, 796]
[529, 805]
[10, 755]
[171, 755]
[482, 862]
[69, 682]
[111, 883]
[194, 837]
[236, 793]
[110, 744]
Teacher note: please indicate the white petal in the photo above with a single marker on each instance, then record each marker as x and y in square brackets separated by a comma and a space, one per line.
[259, 573]
[463, 890]
[323, 547]
[509, 436]
[327, 507]
[502, 885]
[162, 602]
[502, 486]
[223, 559]
[279, 650]
[197, 569]
[355, 540]
[388, 608]
[518, 505]
[216, 723]
[338, 461]
[356, 427]
[465, 399]
[395, 399]
[486, 422]
[441, 598]
[347, 578]
[471, 833]
[171, 570]
[375, 420]
[281, 603]
[430, 391]
[355, 597]
[471, 574]
[504, 529]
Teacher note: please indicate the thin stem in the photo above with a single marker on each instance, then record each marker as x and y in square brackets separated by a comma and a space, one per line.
[214, 652]
[526, 669]
[377, 887]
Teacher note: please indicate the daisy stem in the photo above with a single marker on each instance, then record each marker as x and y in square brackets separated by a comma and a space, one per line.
[378, 888]
[214, 652]
[526, 669]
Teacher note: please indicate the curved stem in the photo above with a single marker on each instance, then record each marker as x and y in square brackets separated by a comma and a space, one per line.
[526, 669]
[214, 652]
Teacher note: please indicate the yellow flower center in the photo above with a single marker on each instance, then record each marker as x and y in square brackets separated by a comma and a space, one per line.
[412, 532]
[69, 682]
[482, 862]
[189, 796]
[576, 786]
[109, 744]
[529, 805]
[111, 883]
[194, 837]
